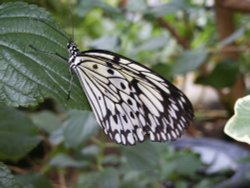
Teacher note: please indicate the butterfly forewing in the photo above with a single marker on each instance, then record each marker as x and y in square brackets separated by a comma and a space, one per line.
[130, 102]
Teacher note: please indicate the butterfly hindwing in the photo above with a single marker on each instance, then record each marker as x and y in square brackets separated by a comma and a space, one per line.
[130, 102]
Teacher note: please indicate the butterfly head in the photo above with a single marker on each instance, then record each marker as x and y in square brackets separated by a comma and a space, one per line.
[73, 51]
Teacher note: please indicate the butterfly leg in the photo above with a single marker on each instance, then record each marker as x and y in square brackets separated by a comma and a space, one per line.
[70, 83]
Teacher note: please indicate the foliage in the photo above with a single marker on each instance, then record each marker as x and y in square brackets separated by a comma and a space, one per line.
[237, 127]
[7, 180]
[18, 135]
[42, 139]
[26, 76]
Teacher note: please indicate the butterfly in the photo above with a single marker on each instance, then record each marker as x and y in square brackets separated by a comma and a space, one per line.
[130, 102]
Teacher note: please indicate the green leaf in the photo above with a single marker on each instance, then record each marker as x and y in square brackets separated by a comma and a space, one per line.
[136, 6]
[142, 156]
[87, 5]
[90, 150]
[56, 137]
[182, 163]
[163, 69]
[189, 61]
[46, 120]
[110, 159]
[238, 127]
[30, 69]
[18, 135]
[7, 180]
[79, 127]
[130, 179]
[152, 44]
[33, 180]
[106, 42]
[224, 75]
[88, 180]
[168, 8]
[237, 34]
[63, 161]
[107, 178]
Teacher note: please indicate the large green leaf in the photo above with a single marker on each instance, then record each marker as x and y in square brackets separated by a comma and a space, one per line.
[238, 127]
[18, 135]
[30, 68]
[7, 180]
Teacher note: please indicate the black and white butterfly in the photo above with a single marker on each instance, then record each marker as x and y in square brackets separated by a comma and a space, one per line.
[130, 102]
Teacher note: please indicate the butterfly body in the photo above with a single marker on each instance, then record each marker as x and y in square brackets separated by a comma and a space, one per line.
[130, 102]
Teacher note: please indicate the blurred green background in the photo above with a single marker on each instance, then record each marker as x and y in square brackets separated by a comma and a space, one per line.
[201, 46]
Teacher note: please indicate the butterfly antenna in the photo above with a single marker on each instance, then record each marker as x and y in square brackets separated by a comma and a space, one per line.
[71, 21]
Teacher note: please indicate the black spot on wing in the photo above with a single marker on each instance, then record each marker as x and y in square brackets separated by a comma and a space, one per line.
[123, 86]
[109, 64]
[129, 102]
[132, 115]
[110, 71]
[95, 66]
[117, 59]
[115, 118]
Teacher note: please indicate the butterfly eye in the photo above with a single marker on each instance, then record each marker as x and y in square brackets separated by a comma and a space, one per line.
[130, 102]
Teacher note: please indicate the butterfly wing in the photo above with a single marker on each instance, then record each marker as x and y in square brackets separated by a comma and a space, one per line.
[130, 102]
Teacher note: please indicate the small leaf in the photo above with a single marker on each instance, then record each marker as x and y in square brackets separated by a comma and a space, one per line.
[232, 37]
[46, 120]
[7, 180]
[152, 44]
[56, 137]
[18, 135]
[30, 68]
[189, 61]
[106, 42]
[90, 150]
[224, 75]
[110, 159]
[79, 127]
[87, 5]
[33, 180]
[168, 8]
[238, 125]
[63, 161]
[136, 6]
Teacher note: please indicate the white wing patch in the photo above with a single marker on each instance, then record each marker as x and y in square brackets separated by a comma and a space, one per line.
[129, 101]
